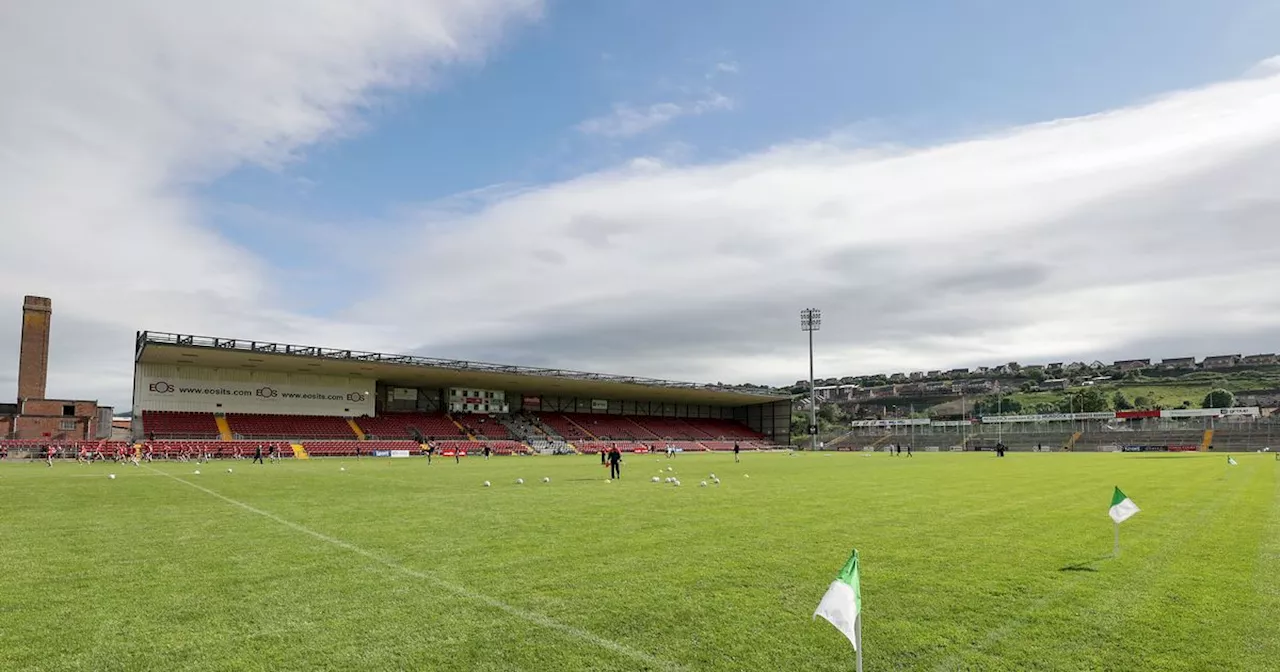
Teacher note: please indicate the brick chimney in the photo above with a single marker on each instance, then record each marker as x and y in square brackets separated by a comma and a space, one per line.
[33, 359]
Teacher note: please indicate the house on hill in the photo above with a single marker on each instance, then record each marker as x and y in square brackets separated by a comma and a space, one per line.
[1221, 361]
[1259, 360]
[1133, 364]
[1178, 363]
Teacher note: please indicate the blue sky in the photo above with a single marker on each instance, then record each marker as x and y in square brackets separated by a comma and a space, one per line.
[913, 73]
[651, 188]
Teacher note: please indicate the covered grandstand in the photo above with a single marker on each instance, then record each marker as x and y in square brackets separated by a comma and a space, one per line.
[215, 394]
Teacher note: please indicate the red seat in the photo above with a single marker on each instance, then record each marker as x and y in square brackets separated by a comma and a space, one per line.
[179, 425]
[299, 427]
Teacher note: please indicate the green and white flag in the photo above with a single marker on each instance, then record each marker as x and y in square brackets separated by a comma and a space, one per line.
[1231, 460]
[1122, 508]
[842, 604]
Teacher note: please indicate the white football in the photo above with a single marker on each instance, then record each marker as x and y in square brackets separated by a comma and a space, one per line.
[702, 484]
[654, 479]
[668, 468]
[746, 475]
[111, 476]
[519, 481]
[676, 483]
[546, 480]
[713, 477]
[342, 468]
[197, 472]
[228, 471]
[486, 484]
[608, 480]
[717, 481]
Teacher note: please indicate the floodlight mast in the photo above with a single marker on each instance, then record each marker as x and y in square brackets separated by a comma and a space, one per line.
[811, 321]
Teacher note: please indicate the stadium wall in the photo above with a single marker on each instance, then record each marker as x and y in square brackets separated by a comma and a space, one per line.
[167, 387]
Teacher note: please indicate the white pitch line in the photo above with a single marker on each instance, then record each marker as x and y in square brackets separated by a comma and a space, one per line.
[461, 591]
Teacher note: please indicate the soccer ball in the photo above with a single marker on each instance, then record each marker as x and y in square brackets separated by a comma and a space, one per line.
[111, 476]
[519, 481]
[197, 472]
[713, 477]
[486, 484]
[668, 468]
[546, 480]
[675, 483]
[746, 475]
[702, 484]
[654, 479]
[717, 481]
[342, 468]
[608, 480]
[228, 471]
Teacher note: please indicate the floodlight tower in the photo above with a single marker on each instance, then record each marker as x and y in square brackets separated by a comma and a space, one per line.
[811, 321]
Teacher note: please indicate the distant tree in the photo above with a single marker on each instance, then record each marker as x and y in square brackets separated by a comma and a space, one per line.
[830, 413]
[1035, 374]
[1219, 398]
[1088, 400]
[1027, 386]
[1120, 402]
[1045, 407]
[994, 404]
[1142, 402]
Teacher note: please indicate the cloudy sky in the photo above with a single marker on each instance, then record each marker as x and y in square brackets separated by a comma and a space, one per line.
[643, 186]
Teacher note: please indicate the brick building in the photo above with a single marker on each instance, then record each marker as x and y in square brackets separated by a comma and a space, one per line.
[34, 416]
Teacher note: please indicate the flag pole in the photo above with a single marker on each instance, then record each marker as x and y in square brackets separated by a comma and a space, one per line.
[858, 631]
[1116, 552]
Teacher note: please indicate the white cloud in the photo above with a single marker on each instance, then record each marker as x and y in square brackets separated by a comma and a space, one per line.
[723, 67]
[1148, 228]
[1144, 231]
[626, 120]
[113, 111]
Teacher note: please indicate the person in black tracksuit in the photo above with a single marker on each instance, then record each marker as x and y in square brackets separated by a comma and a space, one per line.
[615, 461]
[735, 451]
[257, 454]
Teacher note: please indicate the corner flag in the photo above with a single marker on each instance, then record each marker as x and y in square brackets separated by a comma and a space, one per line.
[842, 605]
[1122, 508]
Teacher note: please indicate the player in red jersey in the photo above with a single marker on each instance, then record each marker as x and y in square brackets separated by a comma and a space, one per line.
[49, 453]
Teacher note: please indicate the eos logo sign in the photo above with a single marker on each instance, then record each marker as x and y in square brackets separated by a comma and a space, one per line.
[160, 387]
[356, 397]
[266, 392]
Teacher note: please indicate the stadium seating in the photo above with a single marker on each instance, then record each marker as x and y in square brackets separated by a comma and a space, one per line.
[179, 425]
[218, 449]
[716, 428]
[671, 428]
[489, 427]
[477, 447]
[299, 427]
[610, 427]
[349, 448]
[599, 426]
[400, 425]
[562, 425]
[595, 447]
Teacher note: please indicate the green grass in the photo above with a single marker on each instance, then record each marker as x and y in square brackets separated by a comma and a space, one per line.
[969, 563]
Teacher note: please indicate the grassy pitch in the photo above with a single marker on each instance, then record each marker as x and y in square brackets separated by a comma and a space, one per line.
[968, 563]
